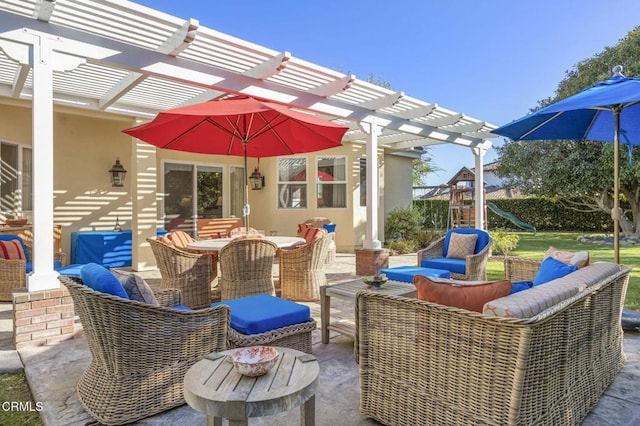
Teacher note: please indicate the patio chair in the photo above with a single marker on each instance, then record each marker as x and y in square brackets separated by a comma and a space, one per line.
[241, 230]
[327, 225]
[302, 270]
[15, 263]
[192, 273]
[246, 267]
[140, 352]
[462, 251]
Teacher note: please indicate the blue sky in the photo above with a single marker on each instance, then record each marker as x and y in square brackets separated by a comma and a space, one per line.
[491, 60]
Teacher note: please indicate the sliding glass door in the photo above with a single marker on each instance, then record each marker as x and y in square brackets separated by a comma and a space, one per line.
[191, 192]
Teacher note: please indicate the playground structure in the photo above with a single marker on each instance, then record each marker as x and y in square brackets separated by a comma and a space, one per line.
[461, 202]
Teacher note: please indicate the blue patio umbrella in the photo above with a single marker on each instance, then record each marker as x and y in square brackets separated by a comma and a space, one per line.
[608, 111]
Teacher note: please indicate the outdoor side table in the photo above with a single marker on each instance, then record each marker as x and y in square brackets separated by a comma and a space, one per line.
[213, 386]
[348, 291]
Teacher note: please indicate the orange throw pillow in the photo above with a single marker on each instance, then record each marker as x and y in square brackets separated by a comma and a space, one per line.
[166, 241]
[469, 295]
[461, 245]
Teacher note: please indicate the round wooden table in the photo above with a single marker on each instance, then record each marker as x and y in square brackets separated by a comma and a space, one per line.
[216, 244]
[214, 387]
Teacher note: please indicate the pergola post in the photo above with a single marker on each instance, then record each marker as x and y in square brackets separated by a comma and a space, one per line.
[479, 152]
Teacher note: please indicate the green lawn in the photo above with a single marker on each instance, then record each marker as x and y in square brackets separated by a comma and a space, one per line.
[534, 247]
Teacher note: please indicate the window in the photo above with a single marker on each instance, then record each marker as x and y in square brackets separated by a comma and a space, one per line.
[292, 183]
[332, 182]
[15, 179]
[190, 192]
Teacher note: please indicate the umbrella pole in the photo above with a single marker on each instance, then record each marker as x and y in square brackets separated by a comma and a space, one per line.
[245, 209]
[615, 214]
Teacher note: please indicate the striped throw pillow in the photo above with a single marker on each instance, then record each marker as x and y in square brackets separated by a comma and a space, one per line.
[12, 249]
[180, 238]
[312, 234]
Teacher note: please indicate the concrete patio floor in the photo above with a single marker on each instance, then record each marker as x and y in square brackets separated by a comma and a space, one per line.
[52, 373]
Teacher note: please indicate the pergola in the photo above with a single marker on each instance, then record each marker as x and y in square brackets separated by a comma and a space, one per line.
[117, 56]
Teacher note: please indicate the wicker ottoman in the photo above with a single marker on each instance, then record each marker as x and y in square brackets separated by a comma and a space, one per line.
[267, 320]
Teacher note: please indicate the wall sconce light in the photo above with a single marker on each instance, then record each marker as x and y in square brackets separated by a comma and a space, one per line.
[117, 174]
[257, 180]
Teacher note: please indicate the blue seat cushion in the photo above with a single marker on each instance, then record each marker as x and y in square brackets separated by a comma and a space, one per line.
[457, 266]
[481, 242]
[520, 285]
[72, 270]
[101, 279]
[551, 269]
[406, 273]
[56, 265]
[263, 312]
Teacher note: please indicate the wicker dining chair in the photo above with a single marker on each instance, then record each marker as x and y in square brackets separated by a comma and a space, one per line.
[192, 273]
[246, 268]
[140, 352]
[13, 272]
[302, 270]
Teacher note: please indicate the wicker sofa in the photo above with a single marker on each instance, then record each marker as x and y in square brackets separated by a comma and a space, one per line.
[519, 362]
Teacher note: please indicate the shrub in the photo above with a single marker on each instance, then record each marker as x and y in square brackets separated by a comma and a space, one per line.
[425, 237]
[403, 223]
[402, 247]
[504, 241]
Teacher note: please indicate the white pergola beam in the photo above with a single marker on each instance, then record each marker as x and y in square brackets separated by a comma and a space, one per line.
[181, 39]
[333, 87]
[44, 9]
[385, 101]
[270, 67]
[120, 89]
[468, 128]
[417, 112]
[444, 121]
[112, 53]
[19, 80]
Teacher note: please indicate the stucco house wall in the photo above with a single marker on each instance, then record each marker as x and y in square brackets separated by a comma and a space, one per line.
[87, 143]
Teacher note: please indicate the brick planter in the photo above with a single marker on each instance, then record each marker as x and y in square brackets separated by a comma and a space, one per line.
[370, 261]
[42, 317]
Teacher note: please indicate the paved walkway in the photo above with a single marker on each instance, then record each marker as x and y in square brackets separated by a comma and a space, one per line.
[52, 372]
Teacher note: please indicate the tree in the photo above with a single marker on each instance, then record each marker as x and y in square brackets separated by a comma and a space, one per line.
[421, 168]
[556, 168]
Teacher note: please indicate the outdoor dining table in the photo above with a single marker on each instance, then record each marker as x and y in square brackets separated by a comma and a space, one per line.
[217, 243]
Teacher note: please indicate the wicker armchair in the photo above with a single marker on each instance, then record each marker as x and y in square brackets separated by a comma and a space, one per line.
[13, 273]
[246, 267]
[475, 265]
[140, 352]
[191, 273]
[302, 270]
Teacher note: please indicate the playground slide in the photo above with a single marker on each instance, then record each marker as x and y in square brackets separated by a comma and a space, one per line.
[512, 218]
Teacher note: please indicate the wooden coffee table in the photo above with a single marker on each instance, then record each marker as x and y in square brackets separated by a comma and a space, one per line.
[348, 291]
[214, 387]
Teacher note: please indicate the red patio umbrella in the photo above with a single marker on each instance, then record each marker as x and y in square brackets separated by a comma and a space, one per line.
[241, 126]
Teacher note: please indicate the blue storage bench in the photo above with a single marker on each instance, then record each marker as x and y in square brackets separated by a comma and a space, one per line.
[268, 320]
[406, 273]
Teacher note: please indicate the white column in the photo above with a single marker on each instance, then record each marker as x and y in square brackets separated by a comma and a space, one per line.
[373, 130]
[479, 152]
[144, 206]
[43, 276]
[37, 50]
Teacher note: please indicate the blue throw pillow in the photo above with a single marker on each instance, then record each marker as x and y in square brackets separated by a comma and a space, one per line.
[520, 285]
[101, 279]
[551, 269]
